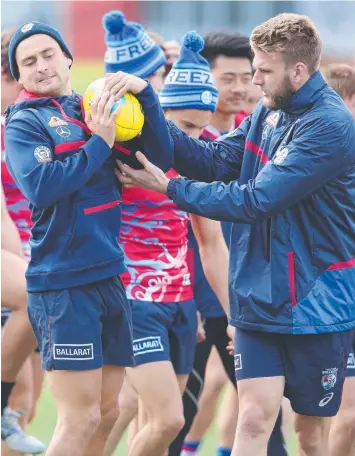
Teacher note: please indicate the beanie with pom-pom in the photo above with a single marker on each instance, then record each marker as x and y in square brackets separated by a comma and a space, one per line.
[189, 84]
[129, 48]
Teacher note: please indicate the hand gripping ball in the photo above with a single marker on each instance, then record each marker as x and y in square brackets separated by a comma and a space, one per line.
[130, 120]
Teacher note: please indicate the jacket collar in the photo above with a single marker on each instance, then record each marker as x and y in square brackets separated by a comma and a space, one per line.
[306, 96]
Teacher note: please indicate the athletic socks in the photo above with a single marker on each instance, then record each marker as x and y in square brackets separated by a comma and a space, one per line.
[224, 451]
[190, 448]
[6, 389]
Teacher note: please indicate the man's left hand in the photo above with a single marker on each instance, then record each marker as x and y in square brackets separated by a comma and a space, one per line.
[151, 177]
[117, 84]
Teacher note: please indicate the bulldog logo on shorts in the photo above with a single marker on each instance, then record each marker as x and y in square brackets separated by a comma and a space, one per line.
[329, 378]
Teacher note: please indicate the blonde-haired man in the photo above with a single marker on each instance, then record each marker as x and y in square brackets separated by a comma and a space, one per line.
[286, 178]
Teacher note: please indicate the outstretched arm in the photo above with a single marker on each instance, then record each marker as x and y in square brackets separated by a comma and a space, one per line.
[317, 155]
[167, 146]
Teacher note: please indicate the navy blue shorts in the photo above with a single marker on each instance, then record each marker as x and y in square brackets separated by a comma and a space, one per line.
[313, 366]
[84, 327]
[165, 332]
[350, 368]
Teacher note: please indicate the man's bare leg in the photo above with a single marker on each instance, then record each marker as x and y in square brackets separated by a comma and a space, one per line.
[128, 408]
[259, 405]
[77, 395]
[159, 391]
[342, 431]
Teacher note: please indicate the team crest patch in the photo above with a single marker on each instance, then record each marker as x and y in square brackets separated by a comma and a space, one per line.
[27, 27]
[280, 155]
[351, 361]
[206, 97]
[329, 378]
[56, 122]
[272, 119]
[147, 345]
[42, 154]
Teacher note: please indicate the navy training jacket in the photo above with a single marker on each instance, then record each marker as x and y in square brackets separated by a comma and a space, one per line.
[68, 177]
[286, 179]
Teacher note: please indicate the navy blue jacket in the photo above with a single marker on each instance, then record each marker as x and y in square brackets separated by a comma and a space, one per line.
[68, 177]
[287, 181]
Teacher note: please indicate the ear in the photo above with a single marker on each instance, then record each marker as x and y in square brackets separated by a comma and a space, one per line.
[20, 80]
[70, 62]
[301, 71]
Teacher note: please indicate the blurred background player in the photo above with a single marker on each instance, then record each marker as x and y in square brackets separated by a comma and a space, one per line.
[229, 56]
[143, 56]
[341, 78]
[154, 238]
[18, 340]
[151, 67]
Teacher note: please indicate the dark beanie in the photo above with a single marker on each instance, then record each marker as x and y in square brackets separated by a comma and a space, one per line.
[27, 30]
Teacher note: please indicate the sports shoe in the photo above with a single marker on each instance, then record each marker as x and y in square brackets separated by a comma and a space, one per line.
[15, 438]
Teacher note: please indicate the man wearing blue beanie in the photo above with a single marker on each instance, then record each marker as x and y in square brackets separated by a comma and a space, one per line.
[159, 279]
[76, 300]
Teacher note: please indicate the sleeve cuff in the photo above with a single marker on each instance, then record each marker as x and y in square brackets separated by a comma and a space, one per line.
[171, 191]
[99, 147]
[147, 97]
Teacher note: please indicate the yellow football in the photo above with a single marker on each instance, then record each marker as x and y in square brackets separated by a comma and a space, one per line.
[130, 120]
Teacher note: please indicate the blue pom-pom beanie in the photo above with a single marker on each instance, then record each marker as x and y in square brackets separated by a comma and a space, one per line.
[27, 30]
[189, 84]
[129, 48]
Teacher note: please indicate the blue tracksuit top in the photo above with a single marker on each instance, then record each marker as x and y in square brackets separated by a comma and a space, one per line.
[68, 177]
[286, 179]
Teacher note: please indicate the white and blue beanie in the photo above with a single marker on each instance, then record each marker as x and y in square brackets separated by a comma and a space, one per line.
[189, 84]
[129, 48]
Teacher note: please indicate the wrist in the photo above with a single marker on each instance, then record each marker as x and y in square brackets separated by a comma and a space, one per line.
[165, 185]
[170, 188]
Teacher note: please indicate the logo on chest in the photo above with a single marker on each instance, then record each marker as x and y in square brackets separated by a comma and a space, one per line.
[272, 119]
[56, 122]
[63, 132]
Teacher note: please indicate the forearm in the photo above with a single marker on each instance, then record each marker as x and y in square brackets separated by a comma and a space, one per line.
[156, 142]
[215, 263]
[10, 238]
[217, 201]
[44, 184]
[206, 161]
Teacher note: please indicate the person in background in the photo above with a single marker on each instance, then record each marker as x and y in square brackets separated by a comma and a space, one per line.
[18, 342]
[341, 78]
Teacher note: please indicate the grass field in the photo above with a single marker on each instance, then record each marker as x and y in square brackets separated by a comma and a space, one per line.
[44, 423]
[83, 73]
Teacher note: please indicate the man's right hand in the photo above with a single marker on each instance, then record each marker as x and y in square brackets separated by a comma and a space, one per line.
[101, 121]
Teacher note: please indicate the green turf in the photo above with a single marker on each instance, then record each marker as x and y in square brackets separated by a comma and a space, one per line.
[44, 423]
[83, 73]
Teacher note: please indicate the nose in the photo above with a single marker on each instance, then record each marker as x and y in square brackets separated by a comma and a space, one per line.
[42, 65]
[239, 86]
[257, 79]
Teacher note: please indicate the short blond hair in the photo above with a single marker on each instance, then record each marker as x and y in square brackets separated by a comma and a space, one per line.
[341, 78]
[293, 35]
